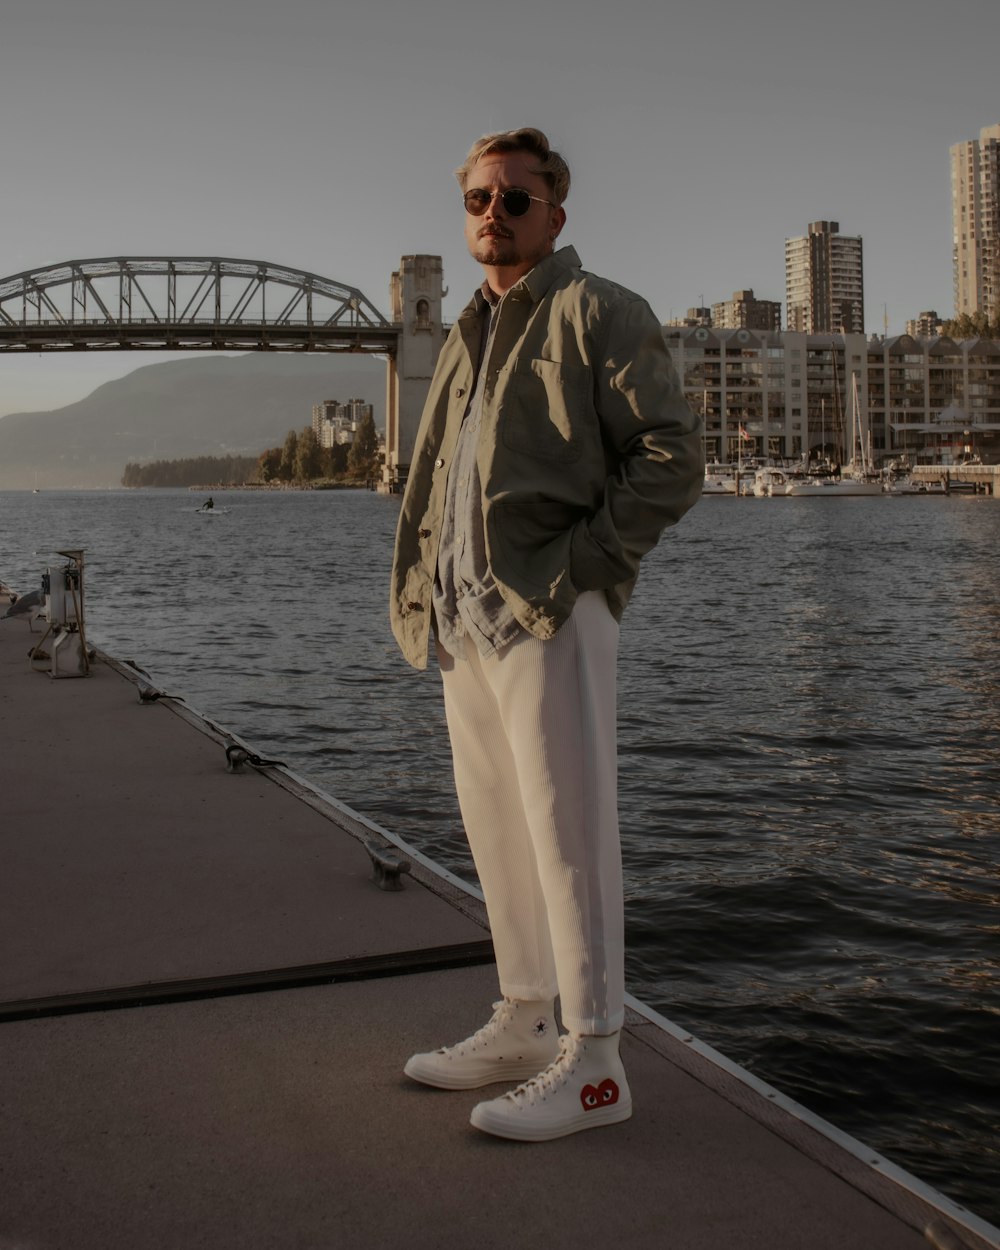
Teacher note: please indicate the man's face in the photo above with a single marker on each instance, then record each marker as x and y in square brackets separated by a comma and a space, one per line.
[513, 243]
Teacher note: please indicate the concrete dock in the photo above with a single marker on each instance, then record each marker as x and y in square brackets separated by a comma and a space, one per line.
[206, 1002]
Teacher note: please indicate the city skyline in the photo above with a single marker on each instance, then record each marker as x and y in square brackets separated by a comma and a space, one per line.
[325, 140]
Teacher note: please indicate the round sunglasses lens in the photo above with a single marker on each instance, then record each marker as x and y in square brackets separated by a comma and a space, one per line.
[476, 202]
[516, 202]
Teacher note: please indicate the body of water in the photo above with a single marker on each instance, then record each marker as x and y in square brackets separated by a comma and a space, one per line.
[809, 716]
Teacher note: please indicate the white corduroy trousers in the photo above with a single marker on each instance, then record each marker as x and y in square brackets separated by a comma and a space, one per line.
[534, 741]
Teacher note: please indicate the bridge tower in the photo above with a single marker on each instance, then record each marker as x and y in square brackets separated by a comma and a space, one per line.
[416, 292]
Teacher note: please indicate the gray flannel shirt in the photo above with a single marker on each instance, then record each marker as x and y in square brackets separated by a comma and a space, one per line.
[467, 602]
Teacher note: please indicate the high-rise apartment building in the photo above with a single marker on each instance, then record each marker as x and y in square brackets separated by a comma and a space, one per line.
[334, 422]
[926, 326]
[824, 281]
[975, 210]
[745, 312]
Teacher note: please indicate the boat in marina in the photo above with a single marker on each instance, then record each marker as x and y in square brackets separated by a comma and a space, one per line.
[733, 477]
[845, 485]
[720, 479]
[730, 477]
[858, 476]
[909, 485]
[772, 480]
[777, 479]
[767, 482]
[898, 478]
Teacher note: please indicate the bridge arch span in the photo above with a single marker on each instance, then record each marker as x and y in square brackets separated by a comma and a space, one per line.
[218, 302]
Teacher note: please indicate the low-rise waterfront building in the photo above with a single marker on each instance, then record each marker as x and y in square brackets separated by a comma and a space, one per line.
[935, 400]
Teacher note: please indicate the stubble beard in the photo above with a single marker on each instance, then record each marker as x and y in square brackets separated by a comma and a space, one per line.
[499, 251]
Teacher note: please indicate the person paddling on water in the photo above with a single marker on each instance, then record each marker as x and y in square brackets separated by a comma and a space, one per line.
[208, 504]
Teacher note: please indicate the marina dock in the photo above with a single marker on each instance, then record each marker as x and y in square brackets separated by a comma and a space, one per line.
[980, 479]
[206, 1000]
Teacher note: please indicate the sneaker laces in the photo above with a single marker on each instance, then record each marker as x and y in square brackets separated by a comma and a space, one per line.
[502, 1014]
[551, 1078]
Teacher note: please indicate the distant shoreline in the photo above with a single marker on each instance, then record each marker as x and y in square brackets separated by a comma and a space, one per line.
[318, 485]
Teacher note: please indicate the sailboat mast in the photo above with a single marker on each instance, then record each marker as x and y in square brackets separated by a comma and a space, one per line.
[838, 410]
[854, 419]
[822, 423]
[858, 425]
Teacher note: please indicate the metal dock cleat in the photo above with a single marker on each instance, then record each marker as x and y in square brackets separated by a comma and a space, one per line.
[387, 868]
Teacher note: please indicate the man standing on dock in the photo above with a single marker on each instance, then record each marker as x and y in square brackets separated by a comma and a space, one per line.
[554, 448]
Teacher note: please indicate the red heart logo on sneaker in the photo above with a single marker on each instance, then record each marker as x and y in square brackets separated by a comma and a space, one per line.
[602, 1095]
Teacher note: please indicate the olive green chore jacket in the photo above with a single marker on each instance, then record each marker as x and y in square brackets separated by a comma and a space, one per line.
[587, 450]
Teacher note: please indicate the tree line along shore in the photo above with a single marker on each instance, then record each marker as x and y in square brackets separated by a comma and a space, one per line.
[299, 462]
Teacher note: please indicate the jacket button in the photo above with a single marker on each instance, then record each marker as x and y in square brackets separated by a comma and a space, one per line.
[439, 462]
[424, 533]
[460, 392]
[415, 607]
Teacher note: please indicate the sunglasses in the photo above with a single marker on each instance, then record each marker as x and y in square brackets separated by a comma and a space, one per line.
[515, 200]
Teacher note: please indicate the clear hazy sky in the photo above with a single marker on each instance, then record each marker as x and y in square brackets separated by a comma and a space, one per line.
[322, 135]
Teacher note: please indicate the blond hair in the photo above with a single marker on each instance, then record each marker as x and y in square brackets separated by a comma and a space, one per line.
[551, 165]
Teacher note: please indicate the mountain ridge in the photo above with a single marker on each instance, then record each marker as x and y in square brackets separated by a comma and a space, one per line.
[170, 410]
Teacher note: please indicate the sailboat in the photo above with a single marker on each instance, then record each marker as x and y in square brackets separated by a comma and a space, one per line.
[858, 477]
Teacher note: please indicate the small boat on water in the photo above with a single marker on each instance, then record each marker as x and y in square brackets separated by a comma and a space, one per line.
[899, 479]
[720, 479]
[772, 480]
[729, 478]
[909, 485]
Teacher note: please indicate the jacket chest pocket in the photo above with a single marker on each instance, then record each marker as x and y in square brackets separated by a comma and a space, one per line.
[543, 410]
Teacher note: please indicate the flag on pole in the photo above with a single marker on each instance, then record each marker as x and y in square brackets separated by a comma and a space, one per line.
[744, 434]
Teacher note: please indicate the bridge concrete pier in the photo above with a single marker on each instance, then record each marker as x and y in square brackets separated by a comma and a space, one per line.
[416, 292]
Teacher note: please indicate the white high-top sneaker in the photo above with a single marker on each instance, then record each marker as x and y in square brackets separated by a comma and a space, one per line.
[583, 1087]
[518, 1039]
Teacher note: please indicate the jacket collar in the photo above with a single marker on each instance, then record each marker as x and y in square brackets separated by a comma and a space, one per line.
[537, 281]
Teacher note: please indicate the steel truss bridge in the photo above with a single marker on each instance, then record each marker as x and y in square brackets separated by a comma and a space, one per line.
[212, 303]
